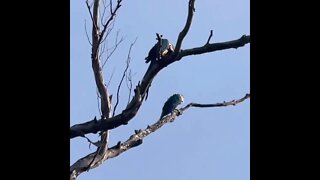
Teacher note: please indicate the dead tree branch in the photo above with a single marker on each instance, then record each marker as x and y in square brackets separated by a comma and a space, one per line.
[245, 39]
[113, 49]
[96, 66]
[136, 139]
[233, 102]
[97, 38]
[85, 28]
[123, 75]
[186, 28]
[105, 100]
[95, 25]
[211, 32]
[126, 115]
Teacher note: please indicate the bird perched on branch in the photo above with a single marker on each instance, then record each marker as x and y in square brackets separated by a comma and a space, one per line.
[159, 50]
[171, 104]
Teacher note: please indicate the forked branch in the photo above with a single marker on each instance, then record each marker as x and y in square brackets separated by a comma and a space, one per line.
[123, 76]
[136, 139]
[126, 115]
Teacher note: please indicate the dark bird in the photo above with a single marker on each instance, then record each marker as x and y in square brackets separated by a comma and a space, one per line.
[158, 51]
[153, 53]
[171, 104]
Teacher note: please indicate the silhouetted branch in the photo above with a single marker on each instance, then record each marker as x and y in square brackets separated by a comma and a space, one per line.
[123, 75]
[95, 25]
[105, 101]
[233, 102]
[136, 139]
[155, 67]
[102, 89]
[186, 28]
[245, 39]
[113, 14]
[85, 28]
[109, 31]
[110, 77]
[211, 32]
[113, 49]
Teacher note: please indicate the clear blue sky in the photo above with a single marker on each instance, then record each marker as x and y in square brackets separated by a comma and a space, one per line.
[203, 143]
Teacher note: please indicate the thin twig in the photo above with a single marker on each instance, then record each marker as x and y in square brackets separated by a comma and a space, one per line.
[104, 11]
[109, 30]
[123, 75]
[211, 32]
[113, 13]
[112, 51]
[233, 102]
[102, 50]
[111, 77]
[243, 40]
[110, 7]
[85, 28]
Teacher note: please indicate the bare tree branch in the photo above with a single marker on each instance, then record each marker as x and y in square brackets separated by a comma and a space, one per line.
[105, 101]
[102, 50]
[113, 49]
[105, 26]
[154, 68]
[186, 28]
[129, 79]
[136, 139]
[111, 77]
[245, 39]
[233, 102]
[211, 32]
[94, 22]
[104, 10]
[123, 75]
[109, 30]
[85, 28]
[105, 98]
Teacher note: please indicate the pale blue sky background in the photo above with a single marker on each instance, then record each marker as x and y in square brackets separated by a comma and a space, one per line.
[204, 143]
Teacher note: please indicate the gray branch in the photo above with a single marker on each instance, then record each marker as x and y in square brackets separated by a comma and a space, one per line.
[186, 28]
[136, 139]
[97, 36]
[140, 91]
[243, 40]
[96, 66]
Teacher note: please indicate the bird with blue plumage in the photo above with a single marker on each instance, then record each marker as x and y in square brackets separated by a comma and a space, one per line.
[171, 104]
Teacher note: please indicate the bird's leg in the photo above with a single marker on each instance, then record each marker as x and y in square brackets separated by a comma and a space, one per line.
[178, 112]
